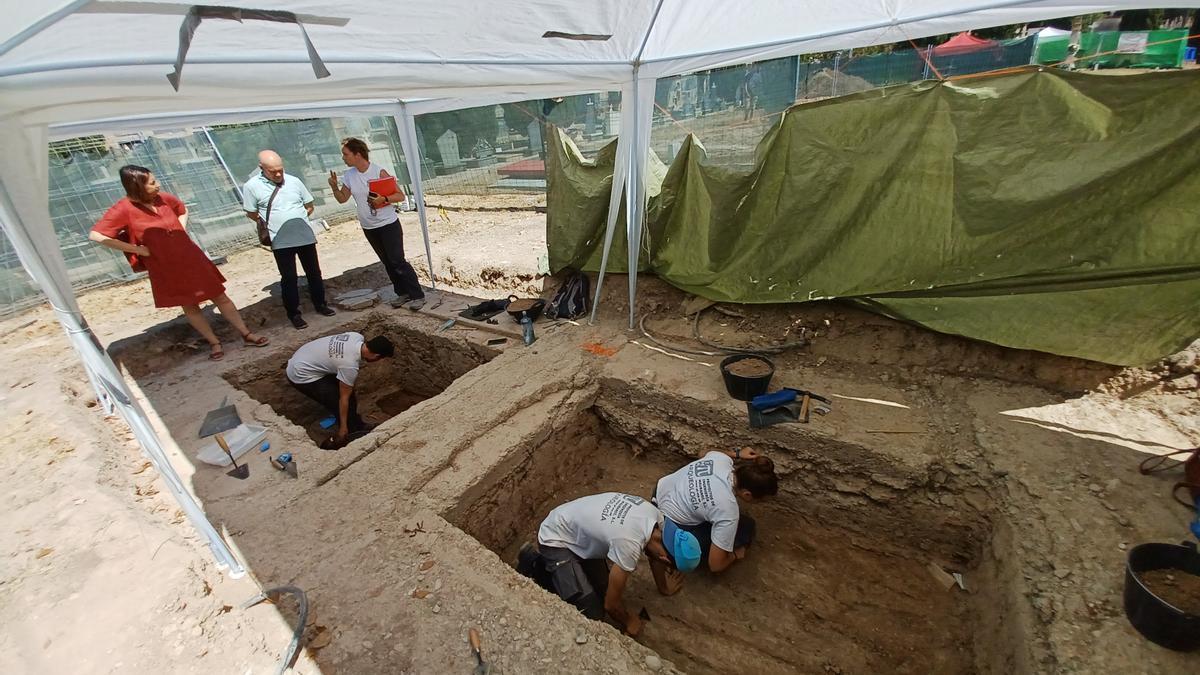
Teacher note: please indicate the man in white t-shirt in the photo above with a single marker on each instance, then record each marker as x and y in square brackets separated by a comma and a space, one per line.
[579, 539]
[326, 371]
[702, 498]
[378, 218]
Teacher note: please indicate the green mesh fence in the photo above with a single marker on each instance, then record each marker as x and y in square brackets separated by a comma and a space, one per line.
[1119, 49]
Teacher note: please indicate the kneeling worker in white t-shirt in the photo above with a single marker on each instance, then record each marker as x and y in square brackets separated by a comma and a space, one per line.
[326, 371]
[578, 540]
[702, 498]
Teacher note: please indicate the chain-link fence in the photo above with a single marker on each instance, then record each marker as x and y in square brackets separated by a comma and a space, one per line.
[730, 109]
[472, 158]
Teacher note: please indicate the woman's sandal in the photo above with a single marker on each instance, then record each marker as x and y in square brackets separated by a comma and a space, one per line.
[259, 341]
[217, 352]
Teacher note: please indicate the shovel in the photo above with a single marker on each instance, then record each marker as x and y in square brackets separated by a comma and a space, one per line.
[481, 666]
[240, 472]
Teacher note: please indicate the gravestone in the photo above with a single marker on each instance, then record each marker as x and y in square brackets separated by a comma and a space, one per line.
[447, 145]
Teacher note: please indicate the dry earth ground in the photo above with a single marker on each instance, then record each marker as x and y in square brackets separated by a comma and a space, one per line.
[101, 573]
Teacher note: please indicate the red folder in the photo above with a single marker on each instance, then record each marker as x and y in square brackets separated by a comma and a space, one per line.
[384, 187]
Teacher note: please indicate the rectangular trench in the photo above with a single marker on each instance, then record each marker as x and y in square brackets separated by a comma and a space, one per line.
[424, 365]
[830, 585]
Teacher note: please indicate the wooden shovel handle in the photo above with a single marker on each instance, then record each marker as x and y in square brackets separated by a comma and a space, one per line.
[473, 635]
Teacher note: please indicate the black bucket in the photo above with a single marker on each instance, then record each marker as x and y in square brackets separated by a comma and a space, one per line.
[1158, 621]
[746, 388]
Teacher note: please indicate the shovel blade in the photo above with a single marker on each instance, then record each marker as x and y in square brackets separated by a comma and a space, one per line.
[291, 469]
[241, 472]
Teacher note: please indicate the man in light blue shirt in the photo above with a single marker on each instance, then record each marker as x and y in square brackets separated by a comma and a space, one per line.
[282, 201]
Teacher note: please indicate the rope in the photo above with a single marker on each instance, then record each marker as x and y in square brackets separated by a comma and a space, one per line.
[926, 59]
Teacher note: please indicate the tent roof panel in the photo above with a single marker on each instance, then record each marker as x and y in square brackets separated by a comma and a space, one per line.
[108, 58]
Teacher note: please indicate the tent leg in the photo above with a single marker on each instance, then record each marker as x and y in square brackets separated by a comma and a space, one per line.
[635, 193]
[620, 174]
[412, 158]
[103, 372]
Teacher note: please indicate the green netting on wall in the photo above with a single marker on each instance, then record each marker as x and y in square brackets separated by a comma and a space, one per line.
[1163, 49]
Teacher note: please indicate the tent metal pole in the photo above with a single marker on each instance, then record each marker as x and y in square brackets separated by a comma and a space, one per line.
[407, 125]
[635, 191]
[105, 376]
[617, 189]
[41, 25]
[237, 186]
[622, 172]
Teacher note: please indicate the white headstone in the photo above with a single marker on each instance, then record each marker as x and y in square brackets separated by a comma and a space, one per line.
[535, 136]
[501, 128]
[447, 145]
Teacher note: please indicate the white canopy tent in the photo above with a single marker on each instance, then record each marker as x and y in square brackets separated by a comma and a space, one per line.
[83, 66]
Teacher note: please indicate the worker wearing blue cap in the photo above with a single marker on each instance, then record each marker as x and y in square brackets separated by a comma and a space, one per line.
[579, 539]
[702, 498]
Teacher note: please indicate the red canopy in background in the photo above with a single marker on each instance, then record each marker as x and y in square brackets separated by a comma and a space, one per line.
[962, 44]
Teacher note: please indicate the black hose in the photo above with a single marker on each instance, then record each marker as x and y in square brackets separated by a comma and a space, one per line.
[293, 650]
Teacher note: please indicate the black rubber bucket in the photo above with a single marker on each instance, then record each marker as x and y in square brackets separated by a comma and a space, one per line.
[1153, 617]
[746, 388]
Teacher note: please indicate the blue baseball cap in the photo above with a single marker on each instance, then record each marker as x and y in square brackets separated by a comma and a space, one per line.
[682, 545]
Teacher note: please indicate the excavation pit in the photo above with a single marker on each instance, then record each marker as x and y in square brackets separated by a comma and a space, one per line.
[424, 365]
[830, 585]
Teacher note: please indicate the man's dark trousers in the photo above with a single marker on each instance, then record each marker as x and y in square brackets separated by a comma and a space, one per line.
[285, 260]
[327, 392]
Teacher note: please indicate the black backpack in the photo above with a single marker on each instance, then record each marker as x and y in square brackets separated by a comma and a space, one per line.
[571, 300]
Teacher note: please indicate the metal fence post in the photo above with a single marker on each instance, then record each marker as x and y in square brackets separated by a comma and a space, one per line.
[837, 60]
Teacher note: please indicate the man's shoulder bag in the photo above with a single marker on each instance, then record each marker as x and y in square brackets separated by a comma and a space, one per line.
[264, 233]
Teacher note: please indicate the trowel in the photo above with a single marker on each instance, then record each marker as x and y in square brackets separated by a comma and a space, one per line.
[481, 667]
[241, 472]
[286, 463]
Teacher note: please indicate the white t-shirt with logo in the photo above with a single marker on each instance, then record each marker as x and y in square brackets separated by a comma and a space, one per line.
[334, 355]
[702, 492]
[609, 525]
[359, 184]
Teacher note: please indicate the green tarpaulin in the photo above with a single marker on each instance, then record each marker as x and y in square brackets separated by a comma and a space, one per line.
[1045, 210]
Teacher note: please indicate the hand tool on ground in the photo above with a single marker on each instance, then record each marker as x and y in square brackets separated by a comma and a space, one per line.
[241, 472]
[766, 402]
[804, 403]
[289, 657]
[218, 421]
[223, 418]
[286, 463]
[481, 666]
[449, 323]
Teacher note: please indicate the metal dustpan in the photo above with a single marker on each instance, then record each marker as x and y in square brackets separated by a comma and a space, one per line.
[216, 423]
[220, 420]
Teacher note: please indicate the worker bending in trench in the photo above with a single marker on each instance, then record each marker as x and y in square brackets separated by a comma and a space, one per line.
[702, 498]
[579, 539]
[326, 371]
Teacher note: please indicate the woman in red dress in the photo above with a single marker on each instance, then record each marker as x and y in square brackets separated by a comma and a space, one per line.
[148, 226]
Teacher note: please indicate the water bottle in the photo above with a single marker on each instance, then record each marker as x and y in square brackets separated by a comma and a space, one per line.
[527, 330]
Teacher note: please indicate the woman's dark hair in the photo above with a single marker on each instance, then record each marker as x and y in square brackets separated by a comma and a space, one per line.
[134, 179]
[357, 147]
[381, 346]
[758, 476]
